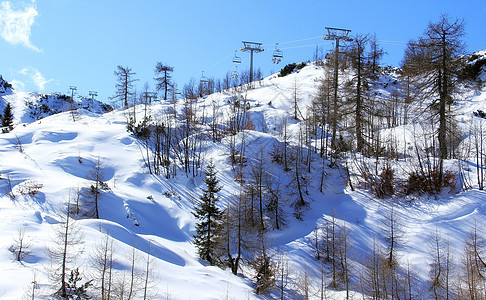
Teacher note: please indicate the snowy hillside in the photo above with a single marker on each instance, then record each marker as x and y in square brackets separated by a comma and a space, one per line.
[50, 161]
[28, 107]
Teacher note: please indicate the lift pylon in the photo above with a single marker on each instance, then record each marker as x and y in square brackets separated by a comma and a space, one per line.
[253, 48]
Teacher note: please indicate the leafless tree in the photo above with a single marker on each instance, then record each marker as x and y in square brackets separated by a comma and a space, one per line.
[440, 267]
[283, 273]
[97, 175]
[356, 52]
[102, 261]
[436, 59]
[164, 77]
[392, 234]
[473, 270]
[62, 252]
[150, 279]
[20, 247]
[124, 87]
[129, 283]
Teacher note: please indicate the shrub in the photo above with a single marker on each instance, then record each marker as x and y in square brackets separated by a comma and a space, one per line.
[30, 187]
[276, 154]
[141, 130]
[265, 274]
[429, 182]
[385, 186]
[472, 70]
[479, 113]
[290, 68]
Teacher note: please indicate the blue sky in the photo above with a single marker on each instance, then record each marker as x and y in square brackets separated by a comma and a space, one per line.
[49, 45]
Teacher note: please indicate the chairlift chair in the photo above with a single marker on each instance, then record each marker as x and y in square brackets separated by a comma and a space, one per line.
[235, 74]
[236, 58]
[203, 79]
[277, 55]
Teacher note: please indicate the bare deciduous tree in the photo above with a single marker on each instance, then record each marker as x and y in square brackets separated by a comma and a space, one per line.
[20, 247]
[436, 58]
[67, 236]
[164, 77]
[124, 86]
[102, 262]
[97, 175]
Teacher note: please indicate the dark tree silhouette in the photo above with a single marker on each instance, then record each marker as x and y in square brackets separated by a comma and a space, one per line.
[209, 224]
[164, 78]
[436, 59]
[124, 86]
[7, 119]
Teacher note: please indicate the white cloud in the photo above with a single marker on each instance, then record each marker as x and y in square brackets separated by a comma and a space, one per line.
[15, 25]
[37, 78]
[18, 85]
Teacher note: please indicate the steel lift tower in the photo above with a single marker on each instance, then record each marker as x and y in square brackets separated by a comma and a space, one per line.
[252, 47]
[336, 34]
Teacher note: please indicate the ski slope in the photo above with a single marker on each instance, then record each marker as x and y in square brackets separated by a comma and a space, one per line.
[140, 209]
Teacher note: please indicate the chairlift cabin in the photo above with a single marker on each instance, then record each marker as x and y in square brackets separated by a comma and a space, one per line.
[277, 55]
[236, 58]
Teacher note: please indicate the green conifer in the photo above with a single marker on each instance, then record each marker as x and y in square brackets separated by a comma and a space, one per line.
[209, 223]
[7, 119]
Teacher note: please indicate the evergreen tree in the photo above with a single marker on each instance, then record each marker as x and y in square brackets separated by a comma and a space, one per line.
[209, 224]
[7, 119]
[77, 292]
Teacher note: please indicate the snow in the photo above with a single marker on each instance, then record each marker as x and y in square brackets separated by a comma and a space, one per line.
[140, 209]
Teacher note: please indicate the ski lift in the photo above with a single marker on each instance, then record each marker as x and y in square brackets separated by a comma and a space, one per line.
[203, 79]
[277, 55]
[236, 59]
[234, 74]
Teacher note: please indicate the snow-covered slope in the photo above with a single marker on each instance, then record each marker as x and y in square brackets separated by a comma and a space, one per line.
[58, 154]
[139, 209]
[28, 107]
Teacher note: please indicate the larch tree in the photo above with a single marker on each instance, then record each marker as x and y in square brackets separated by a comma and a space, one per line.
[440, 267]
[62, 251]
[102, 261]
[359, 63]
[393, 236]
[97, 175]
[436, 59]
[473, 267]
[124, 86]
[209, 218]
[163, 73]
[375, 55]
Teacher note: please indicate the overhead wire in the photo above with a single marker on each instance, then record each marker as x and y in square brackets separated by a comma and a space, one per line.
[217, 63]
[303, 46]
[266, 45]
[398, 43]
[296, 41]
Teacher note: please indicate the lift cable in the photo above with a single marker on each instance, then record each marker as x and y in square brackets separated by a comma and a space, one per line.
[290, 42]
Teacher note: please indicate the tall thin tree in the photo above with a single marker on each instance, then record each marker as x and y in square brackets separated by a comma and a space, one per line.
[209, 223]
[124, 86]
[436, 58]
[163, 73]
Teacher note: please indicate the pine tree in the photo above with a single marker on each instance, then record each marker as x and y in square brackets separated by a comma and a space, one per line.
[209, 224]
[7, 119]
